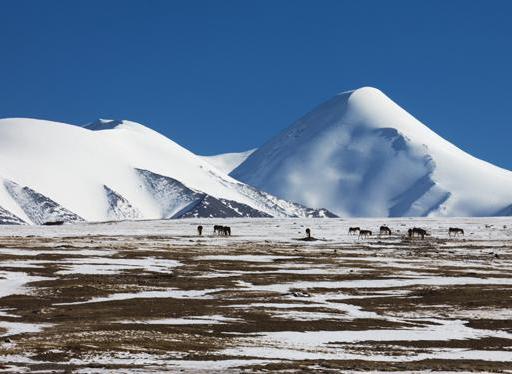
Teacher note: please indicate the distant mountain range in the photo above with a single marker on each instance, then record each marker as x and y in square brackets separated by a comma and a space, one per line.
[358, 154]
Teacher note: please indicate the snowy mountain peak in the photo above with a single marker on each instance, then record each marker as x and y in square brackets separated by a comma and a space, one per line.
[114, 170]
[361, 154]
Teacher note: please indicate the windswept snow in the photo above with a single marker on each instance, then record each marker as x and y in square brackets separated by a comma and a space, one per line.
[227, 162]
[360, 154]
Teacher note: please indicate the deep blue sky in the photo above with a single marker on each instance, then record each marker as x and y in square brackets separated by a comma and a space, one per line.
[219, 76]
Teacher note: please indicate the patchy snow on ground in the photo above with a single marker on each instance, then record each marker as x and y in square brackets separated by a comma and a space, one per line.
[244, 258]
[193, 320]
[165, 298]
[169, 293]
[14, 283]
[92, 265]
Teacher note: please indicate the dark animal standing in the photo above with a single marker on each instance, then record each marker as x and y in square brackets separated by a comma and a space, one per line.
[455, 231]
[200, 230]
[416, 231]
[53, 223]
[353, 230]
[365, 233]
[308, 233]
[384, 230]
[222, 230]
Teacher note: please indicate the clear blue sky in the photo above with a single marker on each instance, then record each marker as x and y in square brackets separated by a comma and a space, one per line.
[219, 76]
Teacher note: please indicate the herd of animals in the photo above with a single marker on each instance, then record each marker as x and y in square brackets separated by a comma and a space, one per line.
[411, 233]
[217, 229]
[362, 233]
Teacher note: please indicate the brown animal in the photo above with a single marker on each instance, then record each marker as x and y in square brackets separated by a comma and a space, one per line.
[353, 230]
[384, 230]
[200, 230]
[217, 229]
[226, 230]
[455, 231]
[416, 231]
[308, 233]
[365, 233]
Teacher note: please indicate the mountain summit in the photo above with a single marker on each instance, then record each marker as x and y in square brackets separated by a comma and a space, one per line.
[116, 170]
[361, 154]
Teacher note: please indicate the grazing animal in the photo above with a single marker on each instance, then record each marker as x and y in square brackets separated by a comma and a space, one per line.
[53, 223]
[353, 230]
[455, 231]
[416, 231]
[308, 233]
[384, 230]
[226, 230]
[365, 233]
[200, 230]
[217, 229]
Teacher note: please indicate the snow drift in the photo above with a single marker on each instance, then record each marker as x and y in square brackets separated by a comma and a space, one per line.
[360, 154]
[227, 162]
[114, 170]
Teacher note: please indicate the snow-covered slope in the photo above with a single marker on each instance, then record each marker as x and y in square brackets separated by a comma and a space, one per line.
[227, 162]
[7, 218]
[360, 154]
[37, 207]
[55, 171]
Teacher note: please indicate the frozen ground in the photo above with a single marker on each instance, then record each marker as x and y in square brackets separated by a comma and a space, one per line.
[153, 296]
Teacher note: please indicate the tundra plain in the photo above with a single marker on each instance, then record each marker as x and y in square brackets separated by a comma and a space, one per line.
[146, 296]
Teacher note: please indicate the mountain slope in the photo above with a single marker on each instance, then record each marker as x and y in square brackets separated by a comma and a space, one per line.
[209, 206]
[119, 208]
[7, 218]
[94, 173]
[39, 208]
[227, 162]
[360, 154]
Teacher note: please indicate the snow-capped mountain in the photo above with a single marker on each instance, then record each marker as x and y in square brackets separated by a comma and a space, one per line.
[360, 154]
[112, 170]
